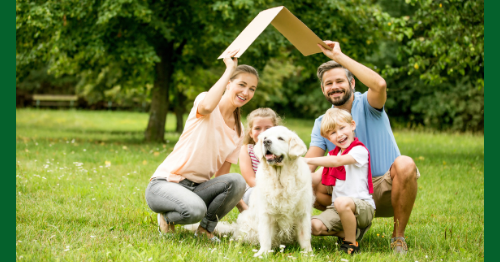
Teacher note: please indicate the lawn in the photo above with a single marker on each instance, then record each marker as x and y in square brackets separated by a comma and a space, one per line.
[81, 176]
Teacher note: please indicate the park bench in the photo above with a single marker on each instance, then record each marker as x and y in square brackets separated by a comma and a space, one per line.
[54, 100]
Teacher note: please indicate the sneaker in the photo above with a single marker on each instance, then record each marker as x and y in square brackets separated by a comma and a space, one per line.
[350, 248]
[398, 244]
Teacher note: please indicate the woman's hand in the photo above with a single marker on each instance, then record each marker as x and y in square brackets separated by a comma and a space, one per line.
[231, 61]
[335, 52]
[214, 95]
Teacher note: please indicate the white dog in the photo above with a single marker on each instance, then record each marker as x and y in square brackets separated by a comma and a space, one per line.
[280, 204]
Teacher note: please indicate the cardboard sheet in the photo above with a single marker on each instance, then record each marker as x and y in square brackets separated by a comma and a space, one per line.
[286, 23]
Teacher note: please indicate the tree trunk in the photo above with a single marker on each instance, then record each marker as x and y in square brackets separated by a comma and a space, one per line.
[155, 132]
[180, 109]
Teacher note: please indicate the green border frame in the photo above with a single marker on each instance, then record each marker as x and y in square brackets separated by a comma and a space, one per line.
[8, 76]
[7, 73]
[492, 130]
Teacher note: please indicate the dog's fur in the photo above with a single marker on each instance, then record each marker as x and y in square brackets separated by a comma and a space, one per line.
[281, 202]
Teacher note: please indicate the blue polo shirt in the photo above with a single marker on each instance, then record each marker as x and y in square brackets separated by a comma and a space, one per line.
[372, 129]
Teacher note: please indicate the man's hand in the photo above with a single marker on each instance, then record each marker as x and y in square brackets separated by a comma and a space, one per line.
[335, 52]
[377, 91]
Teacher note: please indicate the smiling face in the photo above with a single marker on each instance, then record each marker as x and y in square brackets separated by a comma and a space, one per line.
[336, 87]
[242, 88]
[343, 135]
[259, 125]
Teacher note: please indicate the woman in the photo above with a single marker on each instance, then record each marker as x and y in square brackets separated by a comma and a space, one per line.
[180, 190]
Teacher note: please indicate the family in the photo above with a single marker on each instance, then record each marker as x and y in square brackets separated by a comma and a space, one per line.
[363, 176]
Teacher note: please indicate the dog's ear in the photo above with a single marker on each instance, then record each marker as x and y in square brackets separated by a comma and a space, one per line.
[257, 149]
[296, 147]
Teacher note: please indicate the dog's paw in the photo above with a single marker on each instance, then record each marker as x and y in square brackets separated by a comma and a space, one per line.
[306, 248]
[260, 252]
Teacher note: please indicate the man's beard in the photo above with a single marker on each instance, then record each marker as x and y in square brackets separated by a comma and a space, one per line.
[345, 98]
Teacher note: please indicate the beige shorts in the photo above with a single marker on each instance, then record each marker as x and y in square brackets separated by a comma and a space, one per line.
[382, 188]
[364, 215]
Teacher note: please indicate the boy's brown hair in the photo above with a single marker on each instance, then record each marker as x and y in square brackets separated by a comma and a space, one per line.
[331, 119]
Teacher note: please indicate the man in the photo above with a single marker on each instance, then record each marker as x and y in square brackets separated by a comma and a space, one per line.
[394, 176]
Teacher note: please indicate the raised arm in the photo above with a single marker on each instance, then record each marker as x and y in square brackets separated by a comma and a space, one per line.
[331, 161]
[212, 99]
[377, 94]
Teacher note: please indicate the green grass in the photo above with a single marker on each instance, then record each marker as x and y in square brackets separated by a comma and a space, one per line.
[72, 206]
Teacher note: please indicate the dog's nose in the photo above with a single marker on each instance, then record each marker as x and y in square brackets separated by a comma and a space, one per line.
[267, 142]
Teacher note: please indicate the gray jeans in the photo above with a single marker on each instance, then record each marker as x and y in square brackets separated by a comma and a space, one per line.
[187, 202]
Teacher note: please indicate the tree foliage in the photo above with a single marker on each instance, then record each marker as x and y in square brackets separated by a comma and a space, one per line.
[288, 81]
[431, 53]
[129, 43]
[439, 79]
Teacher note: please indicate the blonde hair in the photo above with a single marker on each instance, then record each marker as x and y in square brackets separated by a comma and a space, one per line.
[332, 118]
[237, 112]
[259, 112]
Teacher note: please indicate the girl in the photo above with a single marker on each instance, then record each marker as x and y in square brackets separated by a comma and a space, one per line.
[180, 190]
[258, 120]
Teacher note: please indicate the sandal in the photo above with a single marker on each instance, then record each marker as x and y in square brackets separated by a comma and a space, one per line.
[398, 244]
[214, 239]
[350, 248]
[159, 218]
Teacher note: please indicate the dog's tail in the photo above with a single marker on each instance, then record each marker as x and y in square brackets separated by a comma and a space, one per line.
[221, 228]
[191, 227]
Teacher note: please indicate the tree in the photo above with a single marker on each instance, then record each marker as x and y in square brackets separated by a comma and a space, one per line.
[170, 45]
[129, 43]
[288, 79]
[439, 79]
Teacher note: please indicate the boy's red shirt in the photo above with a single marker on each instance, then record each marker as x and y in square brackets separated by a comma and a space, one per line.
[331, 174]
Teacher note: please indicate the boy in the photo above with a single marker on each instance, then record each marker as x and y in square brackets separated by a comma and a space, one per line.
[347, 175]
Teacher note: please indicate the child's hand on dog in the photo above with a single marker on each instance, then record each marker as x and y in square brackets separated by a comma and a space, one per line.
[305, 159]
